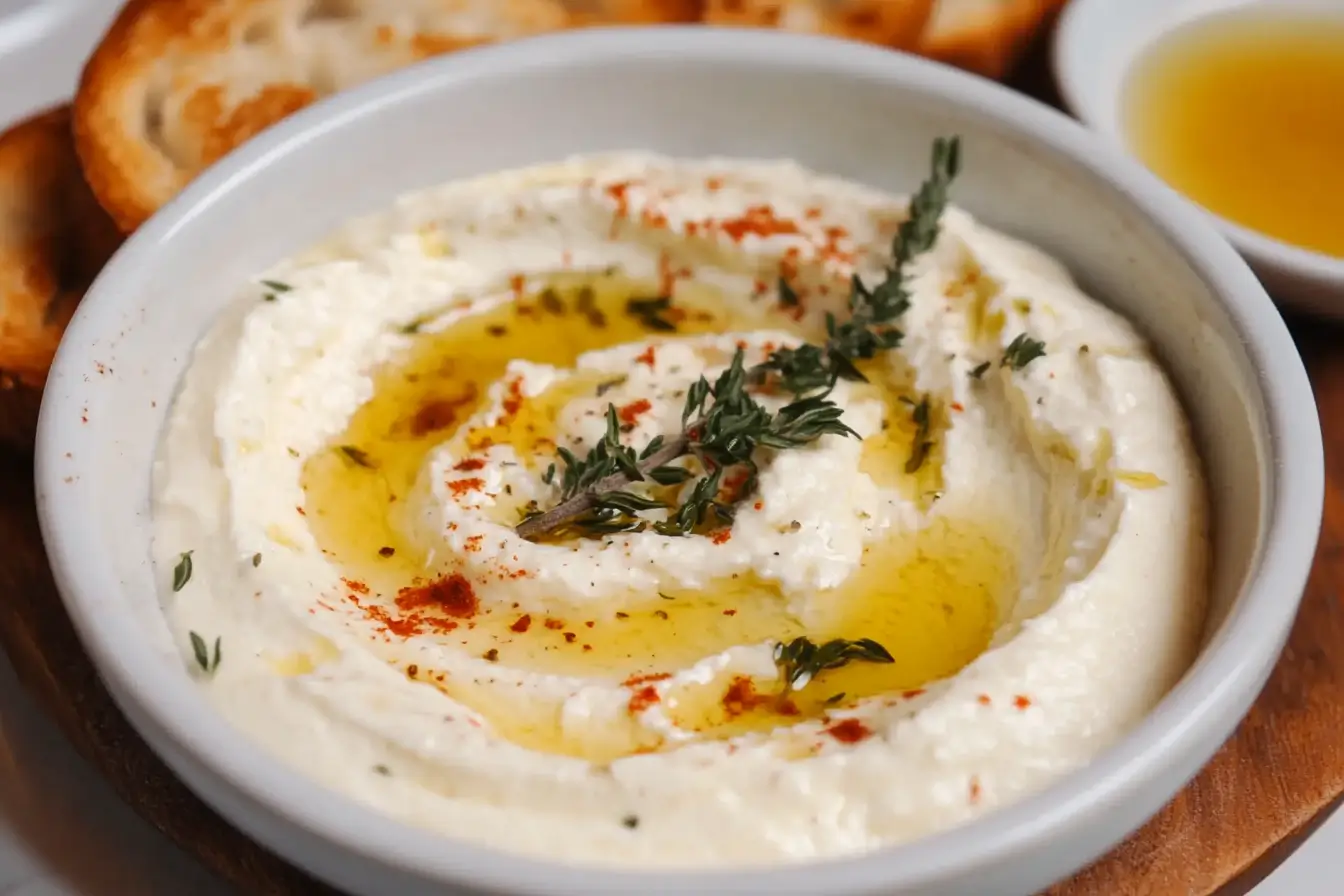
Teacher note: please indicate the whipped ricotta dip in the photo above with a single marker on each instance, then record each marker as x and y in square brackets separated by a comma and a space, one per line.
[989, 570]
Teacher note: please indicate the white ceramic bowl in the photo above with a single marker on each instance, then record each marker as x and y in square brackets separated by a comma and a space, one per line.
[851, 110]
[1097, 42]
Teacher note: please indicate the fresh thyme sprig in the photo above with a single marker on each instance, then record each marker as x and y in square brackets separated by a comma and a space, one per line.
[801, 660]
[870, 328]
[725, 433]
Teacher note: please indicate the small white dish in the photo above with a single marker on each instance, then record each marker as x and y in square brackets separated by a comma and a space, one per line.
[1097, 43]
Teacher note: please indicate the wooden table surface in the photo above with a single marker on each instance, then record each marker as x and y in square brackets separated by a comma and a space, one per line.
[1285, 764]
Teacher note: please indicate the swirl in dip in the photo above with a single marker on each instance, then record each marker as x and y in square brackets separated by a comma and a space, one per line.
[1007, 545]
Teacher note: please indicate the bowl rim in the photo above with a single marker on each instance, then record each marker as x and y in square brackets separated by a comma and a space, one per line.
[185, 725]
[1072, 69]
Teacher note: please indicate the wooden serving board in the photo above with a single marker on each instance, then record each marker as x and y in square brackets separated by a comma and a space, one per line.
[1281, 772]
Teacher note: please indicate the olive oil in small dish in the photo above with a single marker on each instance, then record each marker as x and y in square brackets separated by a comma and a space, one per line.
[1243, 112]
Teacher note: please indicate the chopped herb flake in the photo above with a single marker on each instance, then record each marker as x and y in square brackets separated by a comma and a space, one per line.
[182, 571]
[1022, 351]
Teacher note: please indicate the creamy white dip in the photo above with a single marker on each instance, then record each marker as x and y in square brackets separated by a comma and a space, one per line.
[1062, 502]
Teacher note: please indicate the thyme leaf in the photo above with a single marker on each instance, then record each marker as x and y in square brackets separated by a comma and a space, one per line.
[801, 660]
[357, 456]
[274, 288]
[652, 313]
[919, 450]
[1022, 351]
[204, 658]
[182, 571]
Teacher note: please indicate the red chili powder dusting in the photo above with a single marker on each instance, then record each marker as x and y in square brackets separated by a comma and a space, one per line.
[440, 413]
[521, 624]
[1021, 701]
[642, 699]
[619, 193]
[759, 220]
[647, 357]
[452, 595]
[406, 626]
[731, 490]
[471, 463]
[460, 487]
[636, 680]
[514, 401]
[849, 731]
[356, 586]
[631, 413]
[721, 536]
[742, 696]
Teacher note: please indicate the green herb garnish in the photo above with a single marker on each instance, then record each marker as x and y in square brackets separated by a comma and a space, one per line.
[1022, 351]
[652, 313]
[723, 425]
[357, 456]
[979, 370]
[208, 662]
[919, 450]
[550, 301]
[182, 571]
[274, 287]
[801, 660]
[873, 311]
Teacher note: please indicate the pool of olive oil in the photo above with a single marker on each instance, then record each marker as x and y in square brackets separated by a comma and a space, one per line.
[1242, 112]
[933, 599]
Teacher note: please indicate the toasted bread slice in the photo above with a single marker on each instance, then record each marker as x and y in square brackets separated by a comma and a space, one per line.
[176, 84]
[891, 23]
[53, 240]
[634, 12]
[984, 36]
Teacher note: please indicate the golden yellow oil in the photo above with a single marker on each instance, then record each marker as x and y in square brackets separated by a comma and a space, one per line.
[932, 600]
[1241, 112]
[420, 400]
